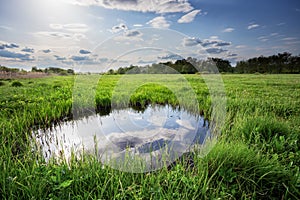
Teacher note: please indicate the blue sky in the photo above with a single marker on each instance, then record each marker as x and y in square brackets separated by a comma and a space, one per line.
[90, 35]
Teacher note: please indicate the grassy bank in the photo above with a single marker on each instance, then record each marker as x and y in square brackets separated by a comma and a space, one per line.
[257, 155]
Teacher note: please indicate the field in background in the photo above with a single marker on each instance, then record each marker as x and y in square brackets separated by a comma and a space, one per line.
[257, 156]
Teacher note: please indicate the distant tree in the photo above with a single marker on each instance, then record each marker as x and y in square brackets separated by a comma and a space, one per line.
[63, 73]
[280, 63]
[121, 70]
[70, 71]
[6, 69]
[35, 69]
[222, 65]
[134, 70]
[111, 71]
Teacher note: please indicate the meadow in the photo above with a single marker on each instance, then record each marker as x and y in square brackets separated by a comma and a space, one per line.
[257, 155]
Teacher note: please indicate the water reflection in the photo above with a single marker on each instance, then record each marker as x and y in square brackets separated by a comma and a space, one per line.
[147, 133]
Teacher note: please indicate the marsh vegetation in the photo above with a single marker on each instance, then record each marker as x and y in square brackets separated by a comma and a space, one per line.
[257, 154]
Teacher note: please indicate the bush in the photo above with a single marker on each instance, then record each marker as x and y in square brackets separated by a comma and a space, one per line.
[16, 84]
[63, 73]
[2, 83]
[56, 86]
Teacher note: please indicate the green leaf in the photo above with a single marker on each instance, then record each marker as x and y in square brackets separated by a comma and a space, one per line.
[66, 184]
[53, 178]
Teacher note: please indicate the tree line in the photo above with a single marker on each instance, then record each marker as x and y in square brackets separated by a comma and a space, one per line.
[275, 64]
[54, 70]
[49, 70]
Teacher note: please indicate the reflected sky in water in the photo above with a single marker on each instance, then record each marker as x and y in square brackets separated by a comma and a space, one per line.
[145, 133]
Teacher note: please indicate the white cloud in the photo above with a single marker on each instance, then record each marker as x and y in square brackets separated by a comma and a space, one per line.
[263, 38]
[281, 24]
[28, 50]
[229, 54]
[56, 26]
[187, 42]
[9, 46]
[159, 22]
[60, 58]
[240, 46]
[212, 42]
[83, 51]
[274, 34]
[16, 56]
[228, 30]
[137, 25]
[60, 35]
[6, 28]
[79, 36]
[79, 28]
[189, 17]
[53, 34]
[215, 42]
[292, 42]
[252, 26]
[289, 38]
[170, 57]
[213, 37]
[79, 58]
[130, 35]
[46, 50]
[118, 28]
[157, 6]
[215, 50]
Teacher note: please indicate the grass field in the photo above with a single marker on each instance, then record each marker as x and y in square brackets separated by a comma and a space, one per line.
[257, 155]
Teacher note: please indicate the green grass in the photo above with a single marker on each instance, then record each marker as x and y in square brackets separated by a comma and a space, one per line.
[257, 155]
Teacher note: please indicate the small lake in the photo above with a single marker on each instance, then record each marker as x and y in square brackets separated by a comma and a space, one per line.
[157, 134]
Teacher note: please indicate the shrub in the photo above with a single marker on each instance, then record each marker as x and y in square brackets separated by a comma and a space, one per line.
[56, 86]
[2, 83]
[16, 84]
[63, 73]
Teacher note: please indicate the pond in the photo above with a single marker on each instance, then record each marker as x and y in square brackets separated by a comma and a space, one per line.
[154, 136]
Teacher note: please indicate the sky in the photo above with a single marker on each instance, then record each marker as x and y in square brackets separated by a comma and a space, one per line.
[96, 35]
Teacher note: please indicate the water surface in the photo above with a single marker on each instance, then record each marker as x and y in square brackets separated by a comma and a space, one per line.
[154, 134]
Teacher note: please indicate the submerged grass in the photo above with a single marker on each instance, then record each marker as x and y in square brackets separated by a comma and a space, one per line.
[256, 157]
